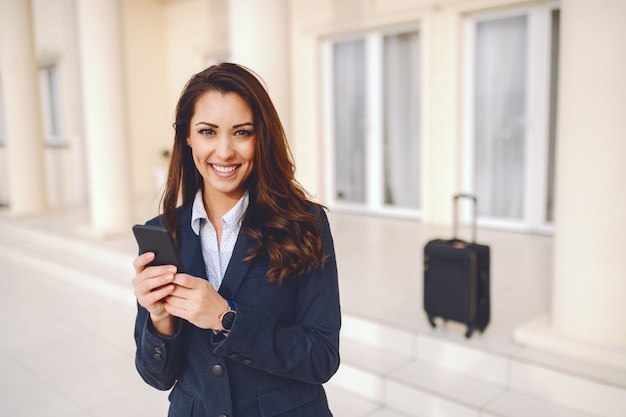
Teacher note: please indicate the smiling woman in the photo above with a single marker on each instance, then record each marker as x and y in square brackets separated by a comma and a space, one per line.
[252, 328]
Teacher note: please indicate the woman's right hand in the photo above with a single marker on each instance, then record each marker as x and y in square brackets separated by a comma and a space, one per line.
[152, 284]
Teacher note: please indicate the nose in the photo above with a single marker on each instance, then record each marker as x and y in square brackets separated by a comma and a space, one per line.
[224, 148]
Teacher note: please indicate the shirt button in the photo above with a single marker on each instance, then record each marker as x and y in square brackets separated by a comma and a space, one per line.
[234, 355]
[157, 349]
[217, 370]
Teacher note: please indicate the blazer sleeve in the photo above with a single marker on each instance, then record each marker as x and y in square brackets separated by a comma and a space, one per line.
[308, 348]
[158, 359]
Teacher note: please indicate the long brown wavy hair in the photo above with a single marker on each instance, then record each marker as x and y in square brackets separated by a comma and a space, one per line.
[280, 217]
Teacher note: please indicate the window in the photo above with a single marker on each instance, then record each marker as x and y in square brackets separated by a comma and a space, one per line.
[51, 108]
[510, 116]
[373, 121]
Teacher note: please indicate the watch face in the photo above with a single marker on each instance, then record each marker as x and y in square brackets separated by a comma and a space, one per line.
[228, 319]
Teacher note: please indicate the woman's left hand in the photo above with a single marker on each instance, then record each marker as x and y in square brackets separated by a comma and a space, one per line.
[195, 300]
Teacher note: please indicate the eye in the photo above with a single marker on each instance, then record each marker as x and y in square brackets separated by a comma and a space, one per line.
[207, 131]
[244, 132]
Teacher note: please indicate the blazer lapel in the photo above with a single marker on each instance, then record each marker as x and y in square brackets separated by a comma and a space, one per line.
[190, 248]
[237, 269]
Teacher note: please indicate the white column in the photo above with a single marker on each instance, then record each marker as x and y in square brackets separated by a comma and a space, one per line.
[588, 312]
[590, 237]
[24, 130]
[259, 40]
[441, 52]
[99, 31]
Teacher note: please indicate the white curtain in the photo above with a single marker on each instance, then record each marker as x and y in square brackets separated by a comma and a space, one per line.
[500, 102]
[401, 120]
[349, 112]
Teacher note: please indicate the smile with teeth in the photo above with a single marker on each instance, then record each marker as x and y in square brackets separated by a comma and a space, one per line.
[224, 169]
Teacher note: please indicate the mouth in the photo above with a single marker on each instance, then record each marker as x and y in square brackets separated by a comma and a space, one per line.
[224, 169]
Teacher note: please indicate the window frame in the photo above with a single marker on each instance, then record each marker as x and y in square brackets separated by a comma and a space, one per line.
[537, 115]
[374, 71]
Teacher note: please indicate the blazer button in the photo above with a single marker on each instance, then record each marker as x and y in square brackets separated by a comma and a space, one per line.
[158, 354]
[247, 361]
[222, 415]
[217, 370]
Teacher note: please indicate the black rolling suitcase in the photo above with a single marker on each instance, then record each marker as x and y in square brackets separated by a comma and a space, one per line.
[456, 278]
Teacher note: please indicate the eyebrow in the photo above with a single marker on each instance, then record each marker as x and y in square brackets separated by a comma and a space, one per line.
[234, 126]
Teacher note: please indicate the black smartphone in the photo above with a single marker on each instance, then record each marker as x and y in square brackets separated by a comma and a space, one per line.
[158, 240]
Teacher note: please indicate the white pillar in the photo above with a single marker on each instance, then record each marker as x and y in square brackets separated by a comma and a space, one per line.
[441, 37]
[588, 314]
[590, 236]
[259, 40]
[24, 131]
[99, 31]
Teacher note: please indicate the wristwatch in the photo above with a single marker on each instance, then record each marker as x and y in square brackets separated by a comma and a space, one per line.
[228, 317]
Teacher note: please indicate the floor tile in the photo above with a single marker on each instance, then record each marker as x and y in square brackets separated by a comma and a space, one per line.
[345, 404]
[37, 400]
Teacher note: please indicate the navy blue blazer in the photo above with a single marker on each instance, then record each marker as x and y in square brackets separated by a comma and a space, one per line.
[283, 346]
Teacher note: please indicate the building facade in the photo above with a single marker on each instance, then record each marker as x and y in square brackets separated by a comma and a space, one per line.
[391, 107]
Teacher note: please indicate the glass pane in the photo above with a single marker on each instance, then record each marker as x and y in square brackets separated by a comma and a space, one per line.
[349, 111]
[500, 117]
[401, 120]
[51, 104]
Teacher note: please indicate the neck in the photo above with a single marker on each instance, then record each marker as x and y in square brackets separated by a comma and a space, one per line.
[218, 204]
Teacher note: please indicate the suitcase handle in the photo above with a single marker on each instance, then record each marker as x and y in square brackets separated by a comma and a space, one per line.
[455, 213]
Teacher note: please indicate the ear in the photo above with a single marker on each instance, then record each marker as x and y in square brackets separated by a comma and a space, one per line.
[188, 142]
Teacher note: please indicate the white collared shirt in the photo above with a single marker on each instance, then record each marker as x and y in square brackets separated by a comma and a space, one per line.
[216, 257]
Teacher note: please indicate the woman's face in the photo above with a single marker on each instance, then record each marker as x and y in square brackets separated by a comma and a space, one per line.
[222, 138]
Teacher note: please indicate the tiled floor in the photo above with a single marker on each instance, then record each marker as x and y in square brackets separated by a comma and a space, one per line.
[68, 352]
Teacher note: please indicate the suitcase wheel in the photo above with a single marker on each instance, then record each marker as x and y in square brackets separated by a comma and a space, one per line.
[431, 320]
[470, 330]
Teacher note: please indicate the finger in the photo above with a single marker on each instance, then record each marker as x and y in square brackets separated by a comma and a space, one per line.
[176, 307]
[155, 271]
[146, 284]
[186, 281]
[151, 273]
[142, 260]
[152, 297]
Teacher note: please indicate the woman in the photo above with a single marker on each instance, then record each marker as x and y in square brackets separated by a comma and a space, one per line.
[252, 327]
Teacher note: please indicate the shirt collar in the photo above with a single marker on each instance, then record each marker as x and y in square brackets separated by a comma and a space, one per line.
[232, 218]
